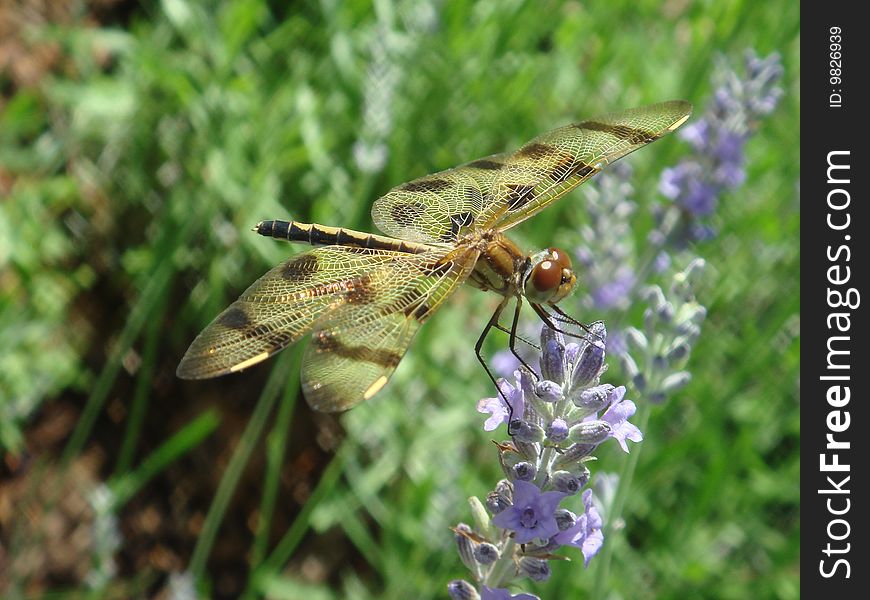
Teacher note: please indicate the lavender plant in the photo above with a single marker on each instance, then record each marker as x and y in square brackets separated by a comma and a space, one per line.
[562, 414]
[718, 139]
[566, 412]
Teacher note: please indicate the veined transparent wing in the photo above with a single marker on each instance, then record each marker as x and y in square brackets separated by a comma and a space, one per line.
[556, 162]
[362, 305]
[437, 208]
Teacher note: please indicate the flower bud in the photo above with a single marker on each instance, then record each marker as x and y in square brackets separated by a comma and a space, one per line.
[678, 352]
[572, 460]
[666, 312]
[478, 513]
[649, 320]
[526, 381]
[524, 471]
[597, 331]
[636, 339]
[675, 382]
[565, 519]
[464, 545]
[654, 297]
[500, 498]
[548, 391]
[524, 431]
[571, 351]
[593, 399]
[535, 569]
[589, 363]
[486, 553]
[590, 432]
[698, 314]
[563, 481]
[460, 589]
[557, 431]
[694, 269]
[656, 396]
[552, 356]
[639, 382]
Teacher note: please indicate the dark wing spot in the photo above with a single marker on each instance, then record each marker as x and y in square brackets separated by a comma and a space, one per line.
[463, 219]
[301, 268]
[489, 165]
[570, 167]
[427, 185]
[327, 342]
[360, 290]
[457, 222]
[438, 269]
[406, 214]
[234, 318]
[623, 132]
[519, 195]
[419, 312]
[536, 151]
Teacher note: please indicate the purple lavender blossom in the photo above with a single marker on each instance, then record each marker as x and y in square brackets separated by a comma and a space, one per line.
[720, 136]
[532, 514]
[687, 186]
[488, 593]
[617, 415]
[497, 406]
[586, 533]
[504, 363]
[613, 292]
[557, 430]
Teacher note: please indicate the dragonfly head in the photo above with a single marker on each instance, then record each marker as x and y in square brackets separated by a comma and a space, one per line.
[548, 276]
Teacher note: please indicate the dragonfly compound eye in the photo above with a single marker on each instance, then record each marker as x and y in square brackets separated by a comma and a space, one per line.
[561, 257]
[547, 276]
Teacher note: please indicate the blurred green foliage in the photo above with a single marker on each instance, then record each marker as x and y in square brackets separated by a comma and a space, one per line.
[135, 172]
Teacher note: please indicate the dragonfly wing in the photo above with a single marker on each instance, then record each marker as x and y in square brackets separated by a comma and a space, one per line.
[345, 295]
[355, 349]
[437, 208]
[556, 162]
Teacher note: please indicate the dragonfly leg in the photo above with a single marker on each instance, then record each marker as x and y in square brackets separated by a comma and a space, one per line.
[494, 324]
[562, 317]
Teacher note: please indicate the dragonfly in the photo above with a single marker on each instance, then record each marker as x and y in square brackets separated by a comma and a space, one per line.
[362, 297]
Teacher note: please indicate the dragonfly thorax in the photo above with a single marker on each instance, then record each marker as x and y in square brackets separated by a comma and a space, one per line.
[543, 277]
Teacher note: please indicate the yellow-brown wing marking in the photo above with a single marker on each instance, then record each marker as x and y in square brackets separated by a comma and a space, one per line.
[355, 349]
[437, 208]
[556, 162]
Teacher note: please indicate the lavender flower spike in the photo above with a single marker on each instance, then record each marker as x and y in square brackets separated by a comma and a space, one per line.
[719, 137]
[560, 416]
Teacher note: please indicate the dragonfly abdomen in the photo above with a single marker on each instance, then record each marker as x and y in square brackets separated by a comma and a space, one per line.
[321, 235]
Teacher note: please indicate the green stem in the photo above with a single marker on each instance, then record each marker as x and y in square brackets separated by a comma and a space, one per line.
[236, 466]
[276, 446]
[128, 484]
[500, 574]
[614, 515]
[282, 552]
[153, 295]
[139, 406]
